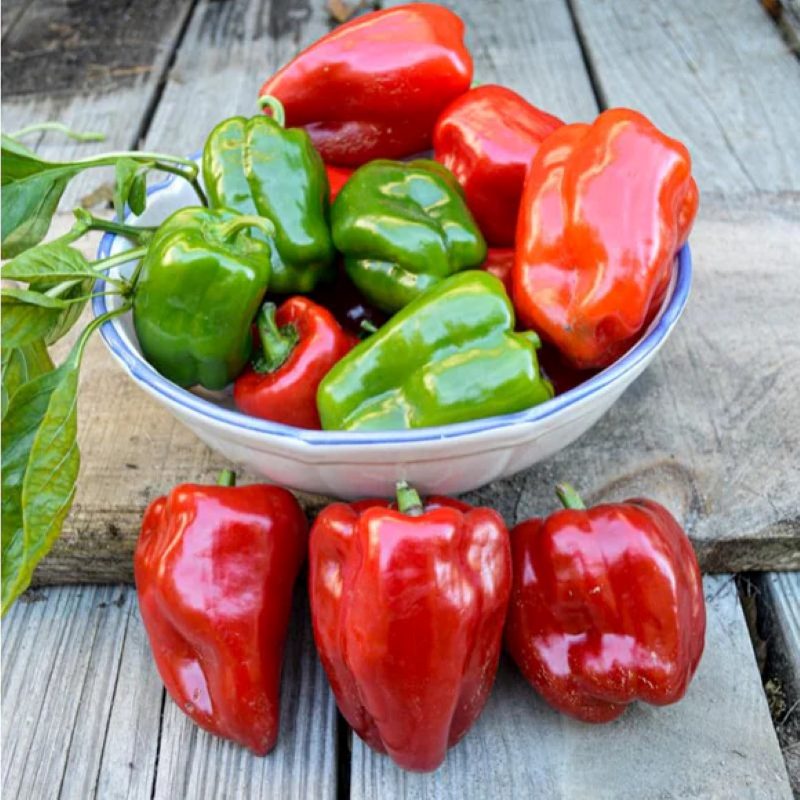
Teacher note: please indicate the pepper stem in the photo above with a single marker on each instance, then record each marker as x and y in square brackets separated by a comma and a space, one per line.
[533, 338]
[367, 328]
[569, 497]
[227, 478]
[408, 501]
[229, 230]
[276, 343]
[275, 106]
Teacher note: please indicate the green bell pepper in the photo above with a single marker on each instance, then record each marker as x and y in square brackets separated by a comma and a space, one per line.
[402, 227]
[199, 287]
[255, 166]
[449, 356]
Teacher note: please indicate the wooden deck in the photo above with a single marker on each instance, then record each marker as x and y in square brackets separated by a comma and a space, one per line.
[712, 429]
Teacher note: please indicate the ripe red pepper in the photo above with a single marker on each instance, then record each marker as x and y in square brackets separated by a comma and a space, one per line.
[373, 87]
[408, 608]
[499, 262]
[300, 343]
[487, 138]
[604, 211]
[215, 567]
[607, 607]
[337, 178]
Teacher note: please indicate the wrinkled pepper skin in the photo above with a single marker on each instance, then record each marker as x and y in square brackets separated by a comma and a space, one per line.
[487, 138]
[408, 614]
[255, 166]
[450, 356]
[373, 87]
[606, 608]
[201, 283]
[215, 567]
[605, 209]
[300, 343]
[402, 227]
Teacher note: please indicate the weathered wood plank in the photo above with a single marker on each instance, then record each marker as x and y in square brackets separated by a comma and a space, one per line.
[711, 429]
[716, 75]
[61, 658]
[93, 66]
[12, 11]
[779, 624]
[194, 764]
[708, 745]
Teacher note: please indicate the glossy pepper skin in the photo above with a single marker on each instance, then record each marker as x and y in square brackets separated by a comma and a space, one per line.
[606, 608]
[605, 209]
[201, 283]
[255, 166]
[450, 356]
[408, 608]
[299, 345]
[373, 87]
[337, 178]
[500, 262]
[487, 138]
[402, 227]
[215, 567]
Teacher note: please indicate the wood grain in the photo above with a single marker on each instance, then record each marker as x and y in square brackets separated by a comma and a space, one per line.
[717, 75]
[94, 66]
[708, 745]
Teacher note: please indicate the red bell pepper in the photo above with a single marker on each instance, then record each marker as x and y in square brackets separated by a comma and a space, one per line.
[606, 608]
[499, 262]
[337, 178]
[604, 211]
[408, 608]
[373, 87]
[300, 343]
[215, 567]
[487, 138]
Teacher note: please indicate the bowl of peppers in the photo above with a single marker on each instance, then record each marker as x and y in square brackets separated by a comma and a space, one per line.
[338, 312]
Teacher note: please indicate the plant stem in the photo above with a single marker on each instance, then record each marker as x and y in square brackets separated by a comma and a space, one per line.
[227, 478]
[193, 180]
[277, 343]
[275, 106]
[228, 230]
[60, 127]
[96, 223]
[408, 501]
[569, 497]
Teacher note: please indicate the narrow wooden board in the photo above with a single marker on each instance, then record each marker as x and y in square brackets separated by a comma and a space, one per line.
[719, 76]
[61, 657]
[717, 742]
[92, 66]
[782, 596]
[83, 704]
[194, 764]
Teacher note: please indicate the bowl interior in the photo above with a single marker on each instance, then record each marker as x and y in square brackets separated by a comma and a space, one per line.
[217, 408]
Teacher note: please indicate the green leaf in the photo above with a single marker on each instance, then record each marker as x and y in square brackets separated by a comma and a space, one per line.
[30, 314]
[24, 323]
[130, 186]
[21, 365]
[54, 261]
[40, 462]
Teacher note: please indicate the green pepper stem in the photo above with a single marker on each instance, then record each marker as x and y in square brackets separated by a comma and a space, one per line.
[275, 106]
[91, 222]
[367, 328]
[408, 501]
[227, 478]
[230, 229]
[569, 497]
[277, 343]
[59, 127]
[533, 338]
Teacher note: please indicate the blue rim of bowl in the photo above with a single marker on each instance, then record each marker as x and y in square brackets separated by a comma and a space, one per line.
[146, 374]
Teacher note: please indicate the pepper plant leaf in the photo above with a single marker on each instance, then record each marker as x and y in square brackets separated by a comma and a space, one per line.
[40, 462]
[21, 365]
[130, 186]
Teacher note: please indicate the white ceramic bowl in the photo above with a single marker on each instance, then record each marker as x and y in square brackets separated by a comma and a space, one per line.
[446, 460]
